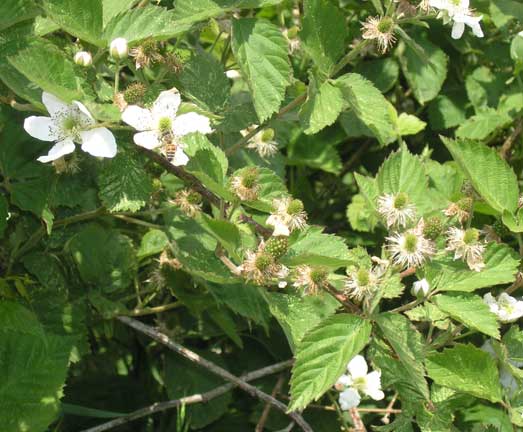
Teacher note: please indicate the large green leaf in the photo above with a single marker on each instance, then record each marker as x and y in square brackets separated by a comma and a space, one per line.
[490, 175]
[408, 345]
[14, 11]
[470, 310]
[298, 314]
[424, 77]
[466, 369]
[323, 354]
[501, 265]
[77, 17]
[138, 24]
[483, 124]
[323, 33]
[369, 106]
[33, 368]
[261, 52]
[124, 184]
[104, 257]
[323, 106]
[316, 248]
[47, 66]
[111, 8]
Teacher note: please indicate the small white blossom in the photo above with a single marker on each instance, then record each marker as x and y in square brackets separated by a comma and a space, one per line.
[288, 215]
[396, 209]
[506, 307]
[466, 245]
[459, 12]
[420, 288]
[69, 124]
[119, 48]
[161, 127]
[358, 382]
[410, 248]
[83, 58]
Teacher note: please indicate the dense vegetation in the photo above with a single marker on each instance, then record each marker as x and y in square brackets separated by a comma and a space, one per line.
[233, 215]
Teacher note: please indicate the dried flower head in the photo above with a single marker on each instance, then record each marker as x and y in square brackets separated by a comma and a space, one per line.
[396, 209]
[263, 142]
[380, 29]
[362, 283]
[261, 268]
[189, 201]
[310, 279]
[245, 185]
[461, 209]
[146, 54]
[466, 245]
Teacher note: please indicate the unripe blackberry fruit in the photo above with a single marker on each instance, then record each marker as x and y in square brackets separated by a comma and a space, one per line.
[263, 261]
[277, 246]
[319, 275]
[467, 188]
[465, 204]
[134, 93]
[295, 207]
[433, 228]
[500, 229]
[249, 177]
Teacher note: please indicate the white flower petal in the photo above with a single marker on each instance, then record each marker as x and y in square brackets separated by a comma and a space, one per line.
[357, 367]
[280, 227]
[53, 104]
[148, 139]
[88, 117]
[349, 399]
[41, 128]
[373, 386]
[139, 118]
[180, 158]
[99, 142]
[343, 381]
[61, 148]
[376, 394]
[166, 105]
[457, 30]
[191, 122]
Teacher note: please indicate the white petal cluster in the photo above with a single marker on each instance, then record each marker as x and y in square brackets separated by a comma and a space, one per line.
[288, 215]
[161, 127]
[83, 58]
[410, 248]
[358, 382]
[420, 288]
[69, 124]
[505, 307]
[459, 12]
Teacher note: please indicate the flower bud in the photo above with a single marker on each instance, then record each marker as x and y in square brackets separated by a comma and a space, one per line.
[516, 48]
[119, 49]
[83, 58]
[420, 288]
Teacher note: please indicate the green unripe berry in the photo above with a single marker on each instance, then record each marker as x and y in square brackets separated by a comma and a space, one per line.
[319, 275]
[263, 261]
[295, 207]
[362, 276]
[277, 246]
[411, 243]
[401, 200]
[134, 93]
[433, 228]
[500, 229]
[465, 204]
[471, 236]
[250, 177]
[385, 25]
[194, 198]
[267, 135]
[467, 188]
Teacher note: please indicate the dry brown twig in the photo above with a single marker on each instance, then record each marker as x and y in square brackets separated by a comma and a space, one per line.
[211, 367]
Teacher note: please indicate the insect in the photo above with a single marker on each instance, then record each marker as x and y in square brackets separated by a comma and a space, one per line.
[168, 145]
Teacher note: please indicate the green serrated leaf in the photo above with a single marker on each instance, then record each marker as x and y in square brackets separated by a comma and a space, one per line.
[470, 310]
[323, 33]
[261, 52]
[323, 354]
[490, 175]
[124, 184]
[14, 11]
[409, 124]
[369, 106]
[483, 124]
[466, 369]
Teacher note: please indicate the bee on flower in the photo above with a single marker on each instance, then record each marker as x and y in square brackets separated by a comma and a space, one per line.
[358, 382]
[380, 29]
[410, 248]
[466, 245]
[396, 209]
[160, 126]
[288, 215]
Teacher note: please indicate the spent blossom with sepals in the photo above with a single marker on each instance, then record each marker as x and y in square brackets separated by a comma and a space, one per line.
[410, 248]
[396, 209]
[288, 215]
